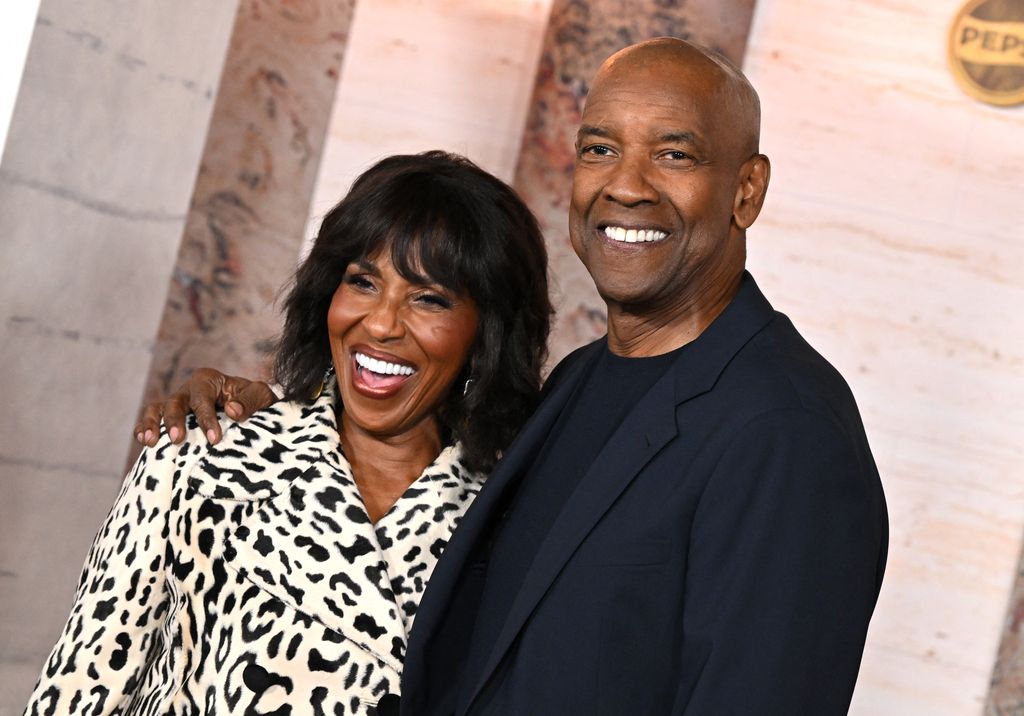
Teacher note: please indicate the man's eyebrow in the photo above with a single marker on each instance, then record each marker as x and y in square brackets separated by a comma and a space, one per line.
[680, 137]
[591, 130]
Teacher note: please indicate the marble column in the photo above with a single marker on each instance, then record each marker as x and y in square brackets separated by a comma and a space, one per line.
[245, 225]
[580, 35]
[99, 164]
[1006, 691]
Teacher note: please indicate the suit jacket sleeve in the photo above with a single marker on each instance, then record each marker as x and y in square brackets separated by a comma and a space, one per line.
[121, 600]
[784, 567]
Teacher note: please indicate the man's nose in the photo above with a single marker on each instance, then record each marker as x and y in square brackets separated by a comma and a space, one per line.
[629, 184]
[384, 320]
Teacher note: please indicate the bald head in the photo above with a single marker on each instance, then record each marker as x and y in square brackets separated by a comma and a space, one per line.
[739, 107]
[667, 180]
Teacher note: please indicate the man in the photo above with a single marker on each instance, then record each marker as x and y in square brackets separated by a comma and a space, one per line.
[692, 522]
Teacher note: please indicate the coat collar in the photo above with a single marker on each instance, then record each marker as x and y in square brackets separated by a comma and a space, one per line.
[651, 425]
[303, 535]
[258, 459]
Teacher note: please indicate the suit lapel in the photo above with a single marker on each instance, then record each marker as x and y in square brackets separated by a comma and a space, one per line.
[478, 521]
[647, 429]
[651, 425]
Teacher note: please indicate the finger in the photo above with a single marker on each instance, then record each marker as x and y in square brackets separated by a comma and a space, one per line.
[206, 393]
[148, 427]
[174, 410]
[206, 416]
[252, 396]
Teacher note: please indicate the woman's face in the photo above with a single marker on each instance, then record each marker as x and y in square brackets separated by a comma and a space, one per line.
[397, 347]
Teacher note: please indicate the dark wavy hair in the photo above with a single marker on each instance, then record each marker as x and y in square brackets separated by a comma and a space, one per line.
[444, 220]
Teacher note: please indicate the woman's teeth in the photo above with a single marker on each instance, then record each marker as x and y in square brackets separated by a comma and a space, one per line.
[633, 236]
[382, 367]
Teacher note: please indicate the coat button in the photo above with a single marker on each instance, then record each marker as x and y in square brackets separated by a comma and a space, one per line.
[388, 705]
[256, 678]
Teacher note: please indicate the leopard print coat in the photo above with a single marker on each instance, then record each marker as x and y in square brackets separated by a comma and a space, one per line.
[247, 578]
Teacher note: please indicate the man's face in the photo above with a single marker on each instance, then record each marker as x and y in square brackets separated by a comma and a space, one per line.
[653, 192]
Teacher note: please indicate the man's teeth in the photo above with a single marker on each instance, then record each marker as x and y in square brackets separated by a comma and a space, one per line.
[633, 236]
[382, 367]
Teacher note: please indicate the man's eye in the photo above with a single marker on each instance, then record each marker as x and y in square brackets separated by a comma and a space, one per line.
[677, 155]
[597, 150]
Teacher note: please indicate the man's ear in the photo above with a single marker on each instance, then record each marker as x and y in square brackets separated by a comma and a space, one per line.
[750, 191]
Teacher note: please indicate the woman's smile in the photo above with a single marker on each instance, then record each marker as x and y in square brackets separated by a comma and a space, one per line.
[379, 375]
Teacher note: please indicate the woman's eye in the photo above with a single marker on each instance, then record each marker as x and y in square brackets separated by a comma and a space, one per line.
[434, 300]
[358, 281]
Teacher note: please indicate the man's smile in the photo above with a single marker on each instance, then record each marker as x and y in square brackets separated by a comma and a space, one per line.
[631, 236]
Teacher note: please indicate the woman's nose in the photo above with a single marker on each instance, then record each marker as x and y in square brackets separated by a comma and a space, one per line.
[384, 320]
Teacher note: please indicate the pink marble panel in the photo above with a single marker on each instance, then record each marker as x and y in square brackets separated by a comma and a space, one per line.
[245, 225]
[1006, 692]
[580, 35]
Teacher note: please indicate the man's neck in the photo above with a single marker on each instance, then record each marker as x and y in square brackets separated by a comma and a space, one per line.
[639, 332]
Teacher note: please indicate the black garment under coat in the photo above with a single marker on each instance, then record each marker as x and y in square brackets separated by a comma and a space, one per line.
[722, 555]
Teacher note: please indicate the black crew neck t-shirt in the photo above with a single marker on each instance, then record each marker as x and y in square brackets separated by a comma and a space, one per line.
[598, 406]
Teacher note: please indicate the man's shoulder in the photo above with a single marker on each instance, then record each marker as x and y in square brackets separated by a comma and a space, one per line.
[779, 369]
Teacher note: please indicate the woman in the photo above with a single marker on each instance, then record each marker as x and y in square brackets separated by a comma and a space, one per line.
[280, 570]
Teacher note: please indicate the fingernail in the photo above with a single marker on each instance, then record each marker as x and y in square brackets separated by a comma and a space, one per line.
[233, 409]
[139, 436]
[211, 436]
[149, 435]
[174, 432]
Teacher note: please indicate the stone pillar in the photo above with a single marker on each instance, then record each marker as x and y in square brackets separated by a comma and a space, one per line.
[245, 225]
[100, 160]
[581, 34]
[1006, 691]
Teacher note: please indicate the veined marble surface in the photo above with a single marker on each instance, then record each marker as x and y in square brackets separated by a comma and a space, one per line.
[95, 181]
[892, 236]
[251, 199]
[431, 75]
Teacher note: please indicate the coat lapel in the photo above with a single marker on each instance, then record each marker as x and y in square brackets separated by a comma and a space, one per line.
[647, 429]
[422, 521]
[314, 548]
[303, 534]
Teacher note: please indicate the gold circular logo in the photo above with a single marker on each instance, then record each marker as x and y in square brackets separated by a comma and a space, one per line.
[986, 50]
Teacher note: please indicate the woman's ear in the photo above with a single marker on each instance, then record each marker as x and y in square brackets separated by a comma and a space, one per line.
[750, 190]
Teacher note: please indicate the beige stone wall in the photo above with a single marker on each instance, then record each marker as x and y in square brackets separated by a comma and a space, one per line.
[432, 75]
[95, 181]
[893, 237]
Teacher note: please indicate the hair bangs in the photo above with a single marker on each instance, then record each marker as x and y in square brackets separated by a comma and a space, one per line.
[434, 238]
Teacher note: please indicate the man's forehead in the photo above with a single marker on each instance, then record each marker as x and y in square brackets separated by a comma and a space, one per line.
[676, 132]
[660, 109]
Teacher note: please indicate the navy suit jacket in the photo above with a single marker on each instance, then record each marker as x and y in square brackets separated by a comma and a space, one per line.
[722, 555]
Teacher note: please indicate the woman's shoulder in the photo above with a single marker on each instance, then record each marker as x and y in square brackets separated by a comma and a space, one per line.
[258, 458]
